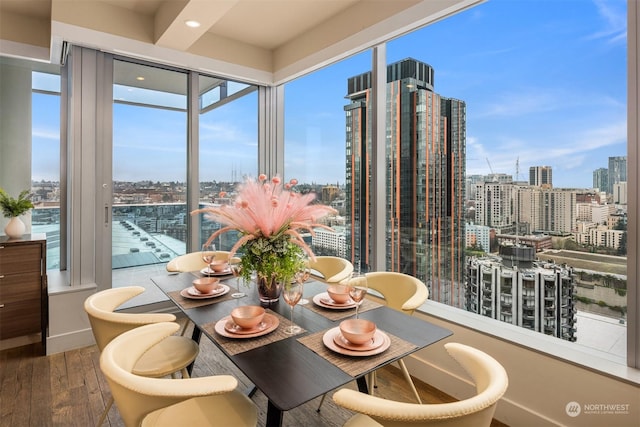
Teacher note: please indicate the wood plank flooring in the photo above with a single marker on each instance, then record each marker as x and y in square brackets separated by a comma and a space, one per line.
[68, 389]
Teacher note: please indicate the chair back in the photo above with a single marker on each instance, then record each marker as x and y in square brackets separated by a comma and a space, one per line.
[107, 324]
[491, 383]
[192, 262]
[400, 291]
[137, 396]
[333, 269]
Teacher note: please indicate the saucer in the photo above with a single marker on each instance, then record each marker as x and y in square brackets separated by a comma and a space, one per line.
[322, 299]
[329, 342]
[376, 342]
[270, 320]
[191, 295]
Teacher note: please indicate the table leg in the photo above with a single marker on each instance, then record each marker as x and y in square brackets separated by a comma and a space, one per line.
[251, 391]
[195, 335]
[274, 416]
[362, 385]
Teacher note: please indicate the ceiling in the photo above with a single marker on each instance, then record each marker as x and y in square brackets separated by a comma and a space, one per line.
[265, 41]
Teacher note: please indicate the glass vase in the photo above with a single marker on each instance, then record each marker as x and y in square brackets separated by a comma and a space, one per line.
[269, 289]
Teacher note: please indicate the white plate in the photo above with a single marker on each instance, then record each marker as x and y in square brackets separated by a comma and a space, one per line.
[329, 342]
[185, 293]
[205, 271]
[322, 299]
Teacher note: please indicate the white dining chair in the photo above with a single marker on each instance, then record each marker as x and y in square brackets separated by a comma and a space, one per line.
[491, 382]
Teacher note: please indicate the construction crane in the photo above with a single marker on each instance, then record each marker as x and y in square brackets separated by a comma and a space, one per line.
[490, 168]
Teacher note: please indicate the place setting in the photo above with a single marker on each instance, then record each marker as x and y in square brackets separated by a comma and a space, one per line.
[356, 345]
[215, 267]
[336, 302]
[247, 321]
[203, 291]
[205, 288]
[356, 337]
[250, 326]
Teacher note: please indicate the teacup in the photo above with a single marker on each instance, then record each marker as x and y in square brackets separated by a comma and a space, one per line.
[358, 331]
[207, 285]
[247, 316]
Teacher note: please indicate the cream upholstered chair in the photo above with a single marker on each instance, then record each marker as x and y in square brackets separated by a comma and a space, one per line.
[205, 401]
[332, 269]
[191, 262]
[491, 383]
[401, 292]
[172, 355]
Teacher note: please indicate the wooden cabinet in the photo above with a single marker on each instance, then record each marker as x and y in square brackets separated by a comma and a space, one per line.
[23, 287]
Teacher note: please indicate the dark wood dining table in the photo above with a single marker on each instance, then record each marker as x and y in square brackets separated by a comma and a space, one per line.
[294, 369]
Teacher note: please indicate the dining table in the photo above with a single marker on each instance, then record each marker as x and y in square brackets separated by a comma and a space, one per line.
[293, 369]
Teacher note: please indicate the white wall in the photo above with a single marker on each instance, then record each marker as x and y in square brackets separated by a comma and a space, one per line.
[15, 133]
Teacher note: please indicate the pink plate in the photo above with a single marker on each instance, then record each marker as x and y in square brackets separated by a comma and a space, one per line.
[207, 272]
[322, 299]
[185, 293]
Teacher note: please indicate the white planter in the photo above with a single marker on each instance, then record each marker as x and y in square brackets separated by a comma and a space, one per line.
[15, 228]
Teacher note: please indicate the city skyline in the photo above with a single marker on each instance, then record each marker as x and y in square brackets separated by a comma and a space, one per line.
[544, 85]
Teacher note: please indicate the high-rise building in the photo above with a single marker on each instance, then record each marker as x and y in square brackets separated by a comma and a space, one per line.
[551, 210]
[494, 204]
[601, 179]
[617, 172]
[541, 176]
[516, 289]
[425, 178]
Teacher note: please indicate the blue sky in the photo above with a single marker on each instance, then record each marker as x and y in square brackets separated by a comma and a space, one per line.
[544, 82]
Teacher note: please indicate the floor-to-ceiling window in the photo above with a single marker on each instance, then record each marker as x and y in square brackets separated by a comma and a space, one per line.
[45, 161]
[505, 165]
[316, 154]
[228, 148]
[515, 165]
[151, 174]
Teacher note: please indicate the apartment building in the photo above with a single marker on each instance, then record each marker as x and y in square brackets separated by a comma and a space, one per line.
[515, 289]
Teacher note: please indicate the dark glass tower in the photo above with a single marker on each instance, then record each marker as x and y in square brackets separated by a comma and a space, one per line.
[424, 176]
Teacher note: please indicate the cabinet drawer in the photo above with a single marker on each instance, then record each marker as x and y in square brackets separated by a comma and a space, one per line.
[17, 287]
[20, 318]
[17, 259]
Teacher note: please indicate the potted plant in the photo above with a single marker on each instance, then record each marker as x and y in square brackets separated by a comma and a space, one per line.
[12, 208]
[269, 217]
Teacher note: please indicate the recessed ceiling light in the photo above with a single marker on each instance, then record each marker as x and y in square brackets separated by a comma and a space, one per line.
[140, 78]
[191, 23]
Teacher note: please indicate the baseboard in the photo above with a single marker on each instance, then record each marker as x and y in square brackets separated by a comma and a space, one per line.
[64, 342]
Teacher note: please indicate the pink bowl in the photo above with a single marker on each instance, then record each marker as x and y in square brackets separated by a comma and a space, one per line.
[219, 265]
[358, 331]
[247, 316]
[207, 285]
[339, 293]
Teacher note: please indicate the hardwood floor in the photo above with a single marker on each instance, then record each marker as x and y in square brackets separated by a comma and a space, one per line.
[68, 389]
